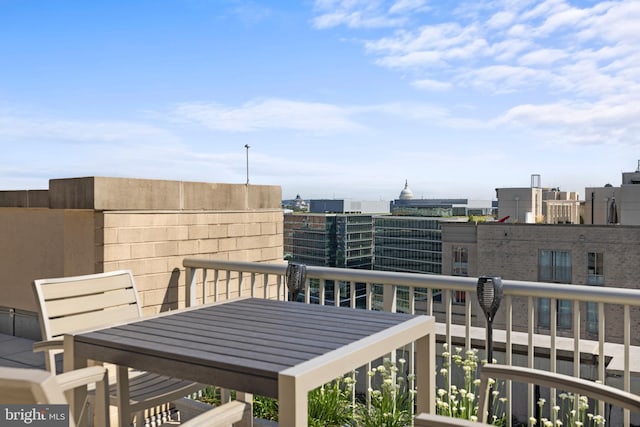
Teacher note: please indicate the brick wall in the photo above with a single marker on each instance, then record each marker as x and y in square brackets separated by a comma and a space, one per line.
[511, 251]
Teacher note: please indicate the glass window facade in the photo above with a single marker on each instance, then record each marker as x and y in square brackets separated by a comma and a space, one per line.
[330, 240]
[554, 267]
[409, 244]
[595, 277]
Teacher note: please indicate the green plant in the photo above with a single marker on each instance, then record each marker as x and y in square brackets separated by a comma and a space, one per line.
[265, 408]
[460, 400]
[565, 414]
[332, 404]
[391, 404]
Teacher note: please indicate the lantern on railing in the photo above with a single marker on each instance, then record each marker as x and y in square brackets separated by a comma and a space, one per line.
[489, 296]
[295, 278]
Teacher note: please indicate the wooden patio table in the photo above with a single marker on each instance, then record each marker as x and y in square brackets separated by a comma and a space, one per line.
[278, 349]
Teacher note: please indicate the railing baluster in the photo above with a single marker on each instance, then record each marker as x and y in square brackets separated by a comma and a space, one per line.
[282, 291]
[352, 294]
[553, 367]
[265, 286]
[390, 296]
[190, 288]
[509, 355]
[467, 321]
[601, 357]
[321, 289]
[627, 362]
[576, 348]
[216, 283]
[530, 355]
[412, 300]
[205, 288]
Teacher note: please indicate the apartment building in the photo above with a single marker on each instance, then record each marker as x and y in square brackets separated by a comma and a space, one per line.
[592, 255]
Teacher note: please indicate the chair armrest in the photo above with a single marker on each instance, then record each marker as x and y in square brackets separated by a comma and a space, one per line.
[97, 375]
[223, 415]
[81, 377]
[580, 386]
[47, 345]
[433, 420]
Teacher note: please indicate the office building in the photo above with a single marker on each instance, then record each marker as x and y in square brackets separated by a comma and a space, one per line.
[330, 240]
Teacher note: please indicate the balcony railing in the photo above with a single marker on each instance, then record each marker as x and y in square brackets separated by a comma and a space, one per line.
[435, 295]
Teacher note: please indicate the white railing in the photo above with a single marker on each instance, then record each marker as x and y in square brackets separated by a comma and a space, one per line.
[226, 279]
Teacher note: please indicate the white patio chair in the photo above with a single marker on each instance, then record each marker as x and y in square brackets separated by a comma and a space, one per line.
[36, 386]
[568, 383]
[71, 304]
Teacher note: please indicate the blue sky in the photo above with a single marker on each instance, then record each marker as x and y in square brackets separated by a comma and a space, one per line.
[336, 98]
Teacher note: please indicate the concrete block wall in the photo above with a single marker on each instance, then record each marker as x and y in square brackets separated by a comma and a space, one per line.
[153, 244]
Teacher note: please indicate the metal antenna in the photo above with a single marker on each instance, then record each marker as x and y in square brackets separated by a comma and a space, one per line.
[247, 146]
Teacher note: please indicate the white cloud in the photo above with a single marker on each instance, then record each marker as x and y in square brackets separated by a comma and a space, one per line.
[431, 85]
[404, 6]
[542, 57]
[574, 122]
[268, 114]
[356, 14]
[508, 79]
[20, 127]
[501, 19]
[559, 50]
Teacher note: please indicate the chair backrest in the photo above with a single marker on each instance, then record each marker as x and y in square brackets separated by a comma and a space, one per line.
[75, 303]
[579, 386]
[30, 387]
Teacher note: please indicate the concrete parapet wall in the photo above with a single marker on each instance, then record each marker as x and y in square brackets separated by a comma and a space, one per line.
[105, 193]
[24, 199]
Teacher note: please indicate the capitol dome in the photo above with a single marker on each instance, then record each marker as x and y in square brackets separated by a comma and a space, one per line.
[406, 193]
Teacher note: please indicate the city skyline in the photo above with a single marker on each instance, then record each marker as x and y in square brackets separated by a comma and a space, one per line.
[335, 98]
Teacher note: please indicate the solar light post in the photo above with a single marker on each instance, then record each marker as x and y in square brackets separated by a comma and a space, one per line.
[295, 278]
[489, 296]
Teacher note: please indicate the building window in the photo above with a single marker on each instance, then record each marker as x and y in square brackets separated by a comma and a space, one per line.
[460, 267]
[554, 267]
[595, 277]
